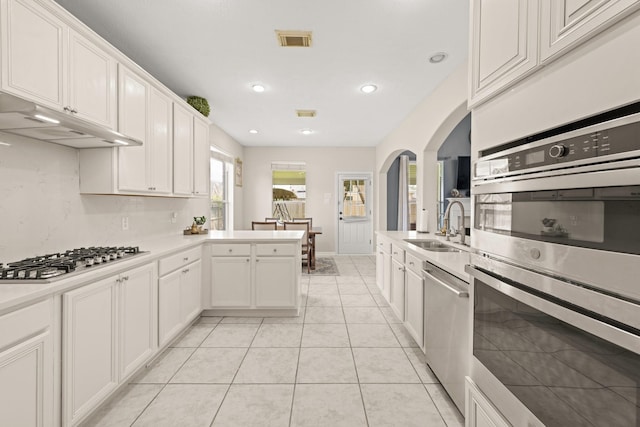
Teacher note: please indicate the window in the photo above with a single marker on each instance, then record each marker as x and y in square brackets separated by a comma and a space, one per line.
[412, 194]
[289, 191]
[221, 217]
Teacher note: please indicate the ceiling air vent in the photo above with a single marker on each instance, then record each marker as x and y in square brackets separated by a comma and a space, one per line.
[306, 113]
[294, 38]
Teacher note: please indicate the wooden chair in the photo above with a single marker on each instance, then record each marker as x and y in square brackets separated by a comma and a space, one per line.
[271, 220]
[306, 247]
[259, 225]
[311, 240]
[309, 220]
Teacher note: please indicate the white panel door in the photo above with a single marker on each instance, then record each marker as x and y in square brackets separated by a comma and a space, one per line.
[201, 156]
[231, 282]
[169, 317]
[133, 93]
[92, 88]
[160, 143]
[32, 52]
[504, 44]
[182, 151]
[355, 225]
[274, 282]
[397, 289]
[89, 353]
[190, 290]
[25, 383]
[138, 317]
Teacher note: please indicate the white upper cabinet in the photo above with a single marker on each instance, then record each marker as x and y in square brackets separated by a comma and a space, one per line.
[47, 62]
[33, 52]
[160, 143]
[182, 151]
[133, 93]
[504, 39]
[565, 23]
[201, 158]
[144, 113]
[92, 88]
[511, 39]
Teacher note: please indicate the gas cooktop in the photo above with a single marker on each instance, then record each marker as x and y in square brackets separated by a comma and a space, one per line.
[46, 268]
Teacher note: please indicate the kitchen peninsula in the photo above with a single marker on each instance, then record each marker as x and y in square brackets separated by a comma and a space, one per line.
[81, 338]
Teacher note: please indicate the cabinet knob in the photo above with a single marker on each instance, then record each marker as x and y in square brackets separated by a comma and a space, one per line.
[186, 270]
[67, 109]
[185, 258]
[411, 263]
[125, 278]
[230, 250]
[248, 260]
[275, 250]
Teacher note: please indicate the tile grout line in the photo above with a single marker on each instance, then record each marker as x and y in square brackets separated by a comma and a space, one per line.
[226, 393]
[355, 366]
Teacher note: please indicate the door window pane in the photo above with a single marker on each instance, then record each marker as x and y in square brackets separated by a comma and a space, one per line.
[353, 198]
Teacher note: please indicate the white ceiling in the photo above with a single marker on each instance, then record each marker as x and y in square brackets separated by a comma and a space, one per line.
[219, 48]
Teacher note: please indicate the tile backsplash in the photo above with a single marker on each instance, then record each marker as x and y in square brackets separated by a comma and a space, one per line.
[42, 211]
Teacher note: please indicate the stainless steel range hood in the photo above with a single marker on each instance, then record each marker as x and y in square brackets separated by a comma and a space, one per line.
[26, 118]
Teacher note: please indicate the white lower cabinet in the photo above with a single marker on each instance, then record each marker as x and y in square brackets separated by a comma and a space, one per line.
[414, 316]
[108, 332]
[231, 282]
[272, 275]
[480, 412]
[397, 289]
[255, 275]
[26, 367]
[383, 267]
[178, 294]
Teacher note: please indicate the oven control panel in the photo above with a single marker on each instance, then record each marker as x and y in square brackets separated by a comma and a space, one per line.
[596, 145]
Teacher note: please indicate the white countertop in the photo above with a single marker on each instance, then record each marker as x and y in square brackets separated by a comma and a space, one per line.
[453, 262]
[16, 295]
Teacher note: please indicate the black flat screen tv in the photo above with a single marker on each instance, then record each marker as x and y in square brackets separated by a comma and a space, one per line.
[464, 174]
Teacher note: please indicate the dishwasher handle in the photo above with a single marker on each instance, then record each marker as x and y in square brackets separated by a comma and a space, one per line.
[449, 286]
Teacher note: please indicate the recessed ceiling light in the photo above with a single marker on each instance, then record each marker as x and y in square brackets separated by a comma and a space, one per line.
[257, 88]
[306, 131]
[253, 131]
[369, 88]
[438, 57]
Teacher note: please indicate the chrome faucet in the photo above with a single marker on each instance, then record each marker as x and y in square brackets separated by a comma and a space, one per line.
[447, 214]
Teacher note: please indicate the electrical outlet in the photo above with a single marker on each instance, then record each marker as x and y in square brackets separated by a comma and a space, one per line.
[125, 223]
[174, 217]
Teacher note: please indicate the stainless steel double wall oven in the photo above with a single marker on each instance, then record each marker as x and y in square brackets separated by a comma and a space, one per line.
[556, 276]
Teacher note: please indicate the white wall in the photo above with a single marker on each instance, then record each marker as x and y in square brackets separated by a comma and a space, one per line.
[322, 166]
[422, 132]
[599, 75]
[41, 210]
[225, 143]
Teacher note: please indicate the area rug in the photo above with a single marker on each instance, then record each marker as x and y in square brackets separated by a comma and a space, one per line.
[324, 267]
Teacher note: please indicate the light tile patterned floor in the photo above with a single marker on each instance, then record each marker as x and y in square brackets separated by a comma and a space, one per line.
[347, 361]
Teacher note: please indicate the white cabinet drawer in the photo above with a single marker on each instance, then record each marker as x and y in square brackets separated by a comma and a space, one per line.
[384, 244]
[173, 262]
[397, 253]
[22, 323]
[413, 263]
[275, 249]
[231, 249]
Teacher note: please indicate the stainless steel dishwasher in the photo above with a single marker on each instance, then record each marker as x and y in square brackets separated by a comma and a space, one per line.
[446, 326]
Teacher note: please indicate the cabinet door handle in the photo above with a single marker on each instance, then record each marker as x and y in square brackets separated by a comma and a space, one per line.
[411, 263]
[125, 278]
[186, 270]
[185, 258]
[67, 108]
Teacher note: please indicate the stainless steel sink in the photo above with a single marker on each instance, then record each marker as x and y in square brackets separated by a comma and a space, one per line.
[432, 245]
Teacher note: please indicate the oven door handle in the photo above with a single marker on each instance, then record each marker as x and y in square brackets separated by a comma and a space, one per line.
[449, 286]
[578, 318]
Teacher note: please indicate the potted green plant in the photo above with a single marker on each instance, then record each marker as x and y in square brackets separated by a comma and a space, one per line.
[200, 104]
[198, 222]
